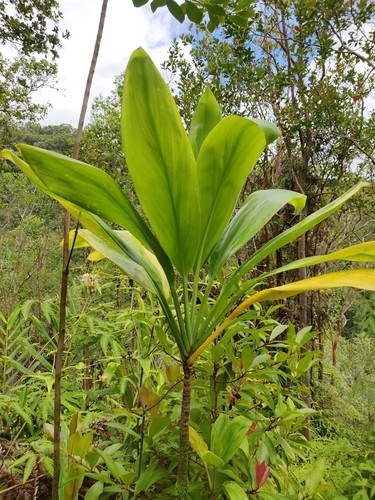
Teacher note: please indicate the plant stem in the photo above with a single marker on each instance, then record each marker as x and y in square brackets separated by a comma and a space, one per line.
[187, 312]
[183, 466]
[59, 360]
[66, 260]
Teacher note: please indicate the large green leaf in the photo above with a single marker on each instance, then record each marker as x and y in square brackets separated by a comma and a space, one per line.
[122, 248]
[228, 298]
[295, 231]
[160, 160]
[85, 190]
[363, 279]
[207, 114]
[125, 251]
[85, 186]
[226, 157]
[257, 210]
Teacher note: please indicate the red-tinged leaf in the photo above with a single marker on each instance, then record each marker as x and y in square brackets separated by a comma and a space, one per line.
[262, 473]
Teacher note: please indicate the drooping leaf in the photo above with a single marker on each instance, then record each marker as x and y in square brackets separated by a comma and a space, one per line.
[291, 234]
[116, 253]
[257, 210]
[356, 278]
[225, 159]
[121, 248]
[79, 206]
[363, 279]
[213, 22]
[87, 188]
[207, 114]
[160, 160]
[155, 4]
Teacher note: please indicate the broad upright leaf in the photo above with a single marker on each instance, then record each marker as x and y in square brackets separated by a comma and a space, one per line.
[226, 157]
[160, 160]
[257, 210]
[207, 114]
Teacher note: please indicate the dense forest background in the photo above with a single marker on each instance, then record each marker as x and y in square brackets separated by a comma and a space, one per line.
[309, 67]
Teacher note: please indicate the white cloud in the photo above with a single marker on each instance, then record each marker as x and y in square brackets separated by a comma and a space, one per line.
[125, 29]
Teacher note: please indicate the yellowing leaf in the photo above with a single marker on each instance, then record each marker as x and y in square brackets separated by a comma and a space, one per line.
[362, 252]
[149, 401]
[363, 279]
[95, 256]
[197, 443]
[173, 373]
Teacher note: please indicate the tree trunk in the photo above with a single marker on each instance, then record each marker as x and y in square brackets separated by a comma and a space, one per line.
[183, 466]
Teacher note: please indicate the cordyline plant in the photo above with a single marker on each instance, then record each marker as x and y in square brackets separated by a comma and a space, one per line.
[188, 186]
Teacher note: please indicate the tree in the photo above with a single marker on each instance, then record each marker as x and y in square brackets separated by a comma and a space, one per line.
[19, 79]
[32, 29]
[32, 26]
[188, 187]
[58, 138]
[209, 14]
[101, 139]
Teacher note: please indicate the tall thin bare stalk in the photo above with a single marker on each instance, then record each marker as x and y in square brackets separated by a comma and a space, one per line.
[66, 262]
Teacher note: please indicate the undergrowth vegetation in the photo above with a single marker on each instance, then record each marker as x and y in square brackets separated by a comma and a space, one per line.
[122, 386]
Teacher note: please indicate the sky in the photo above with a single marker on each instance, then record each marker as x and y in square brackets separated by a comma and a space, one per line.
[126, 28]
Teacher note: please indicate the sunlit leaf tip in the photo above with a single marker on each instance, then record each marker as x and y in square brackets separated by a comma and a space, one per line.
[270, 130]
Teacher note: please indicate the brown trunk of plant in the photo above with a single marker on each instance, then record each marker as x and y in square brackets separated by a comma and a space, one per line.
[59, 358]
[183, 466]
[65, 272]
